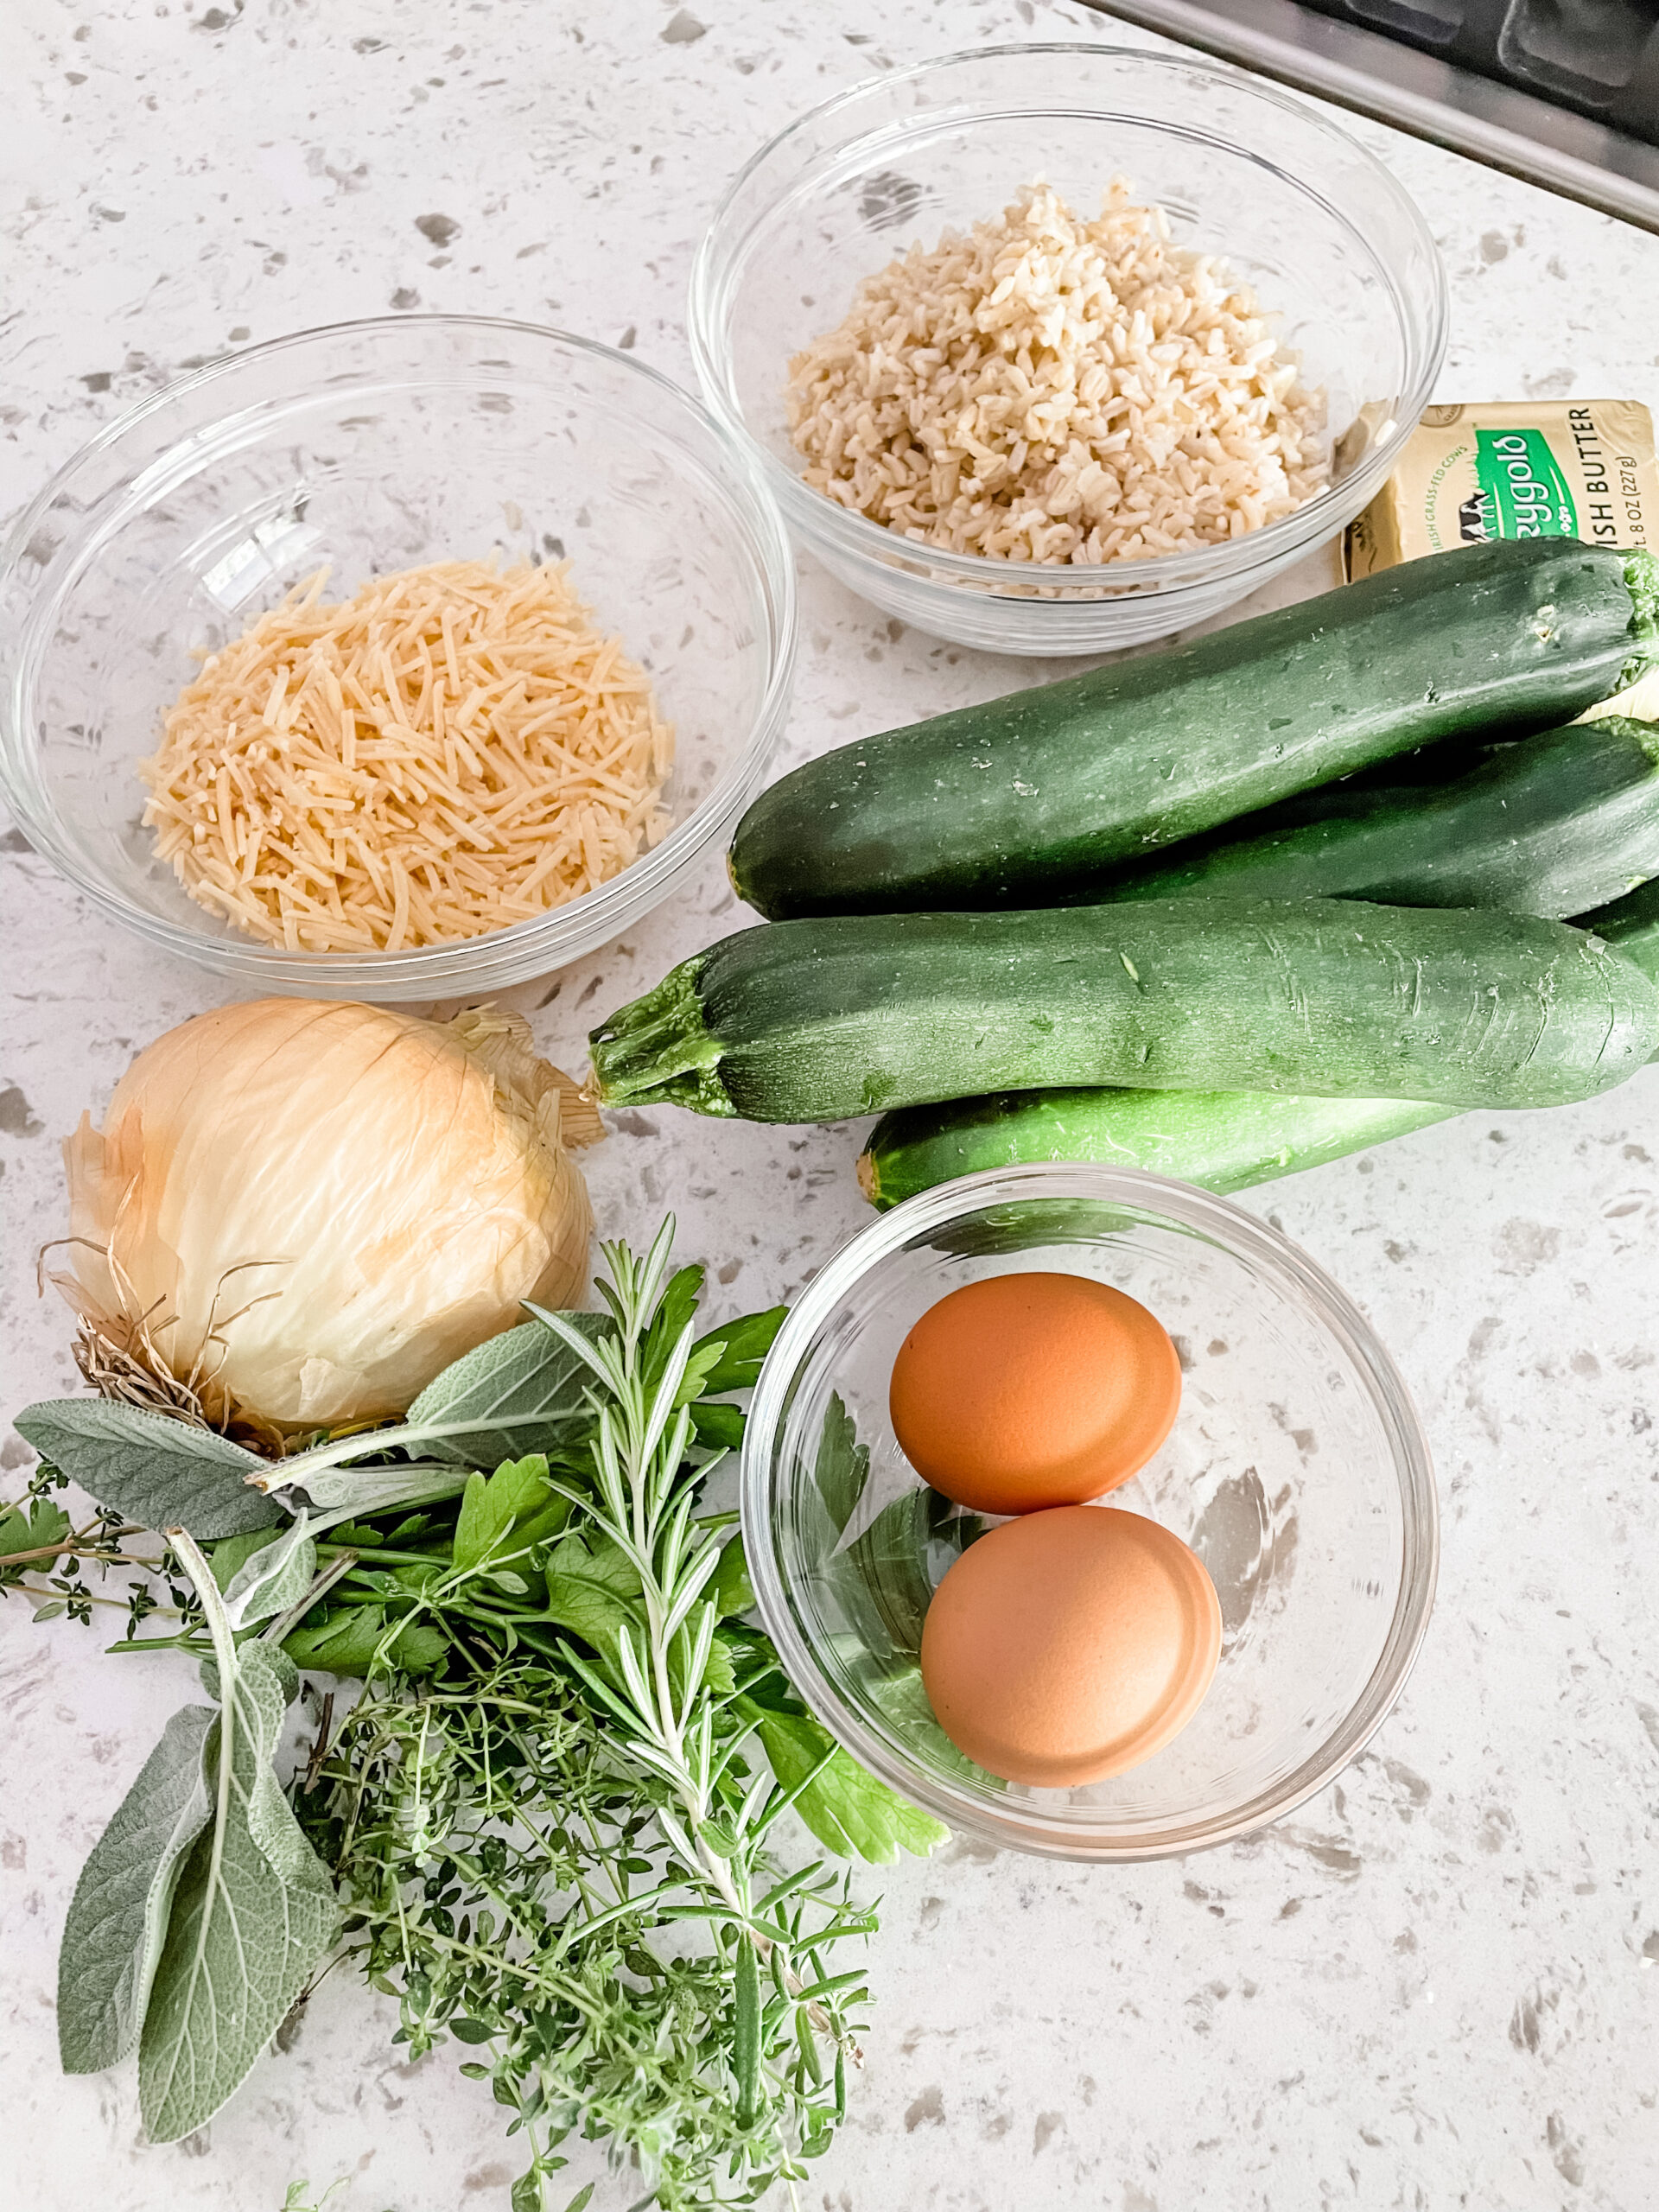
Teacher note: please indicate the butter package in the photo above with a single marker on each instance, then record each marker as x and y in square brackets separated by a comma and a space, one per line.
[1514, 468]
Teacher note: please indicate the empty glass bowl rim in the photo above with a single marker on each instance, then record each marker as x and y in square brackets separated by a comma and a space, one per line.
[1065, 1833]
[856, 535]
[584, 923]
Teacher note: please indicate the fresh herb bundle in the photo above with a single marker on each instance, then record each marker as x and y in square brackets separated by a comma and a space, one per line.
[550, 1817]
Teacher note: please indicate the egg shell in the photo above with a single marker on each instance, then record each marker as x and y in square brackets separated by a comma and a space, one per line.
[1023, 1391]
[1070, 1645]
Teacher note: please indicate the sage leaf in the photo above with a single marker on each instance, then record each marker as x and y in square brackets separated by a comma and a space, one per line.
[161, 1474]
[253, 1914]
[272, 1579]
[523, 1391]
[849, 1811]
[118, 1916]
[287, 1673]
[341, 1493]
[230, 1552]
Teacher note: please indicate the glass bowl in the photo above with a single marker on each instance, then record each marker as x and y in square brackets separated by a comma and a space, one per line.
[1328, 236]
[1297, 1469]
[370, 447]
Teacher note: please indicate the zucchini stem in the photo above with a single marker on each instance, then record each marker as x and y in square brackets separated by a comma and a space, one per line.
[657, 1049]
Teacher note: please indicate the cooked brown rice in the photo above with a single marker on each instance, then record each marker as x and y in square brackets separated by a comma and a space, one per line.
[454, 749]
[1046, 390]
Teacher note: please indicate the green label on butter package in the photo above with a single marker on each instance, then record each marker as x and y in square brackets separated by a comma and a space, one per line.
[1514, 468]
[1519, 492]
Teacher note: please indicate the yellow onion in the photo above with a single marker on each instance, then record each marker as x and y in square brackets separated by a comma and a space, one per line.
[302, 1212]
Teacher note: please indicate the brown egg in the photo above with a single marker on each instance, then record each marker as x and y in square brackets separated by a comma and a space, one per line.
[1069, 1645]
[1023, 1391]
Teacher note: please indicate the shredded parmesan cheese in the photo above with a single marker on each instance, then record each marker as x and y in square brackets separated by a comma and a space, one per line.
[454, 749]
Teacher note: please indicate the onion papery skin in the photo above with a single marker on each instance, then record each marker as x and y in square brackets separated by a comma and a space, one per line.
[307, 1210]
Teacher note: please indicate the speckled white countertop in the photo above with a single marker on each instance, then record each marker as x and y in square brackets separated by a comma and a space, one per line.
[1434, 1987]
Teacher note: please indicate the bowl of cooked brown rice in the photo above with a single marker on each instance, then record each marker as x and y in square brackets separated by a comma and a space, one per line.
[407, 659]
[1055, 349]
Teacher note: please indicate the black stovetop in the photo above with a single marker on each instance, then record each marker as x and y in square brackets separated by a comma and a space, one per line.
[1599, 58]
[1563, 92]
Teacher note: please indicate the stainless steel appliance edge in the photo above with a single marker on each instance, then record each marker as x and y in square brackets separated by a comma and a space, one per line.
[1376, 76]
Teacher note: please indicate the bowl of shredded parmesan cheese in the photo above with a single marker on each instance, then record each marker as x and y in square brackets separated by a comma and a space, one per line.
[406, 659]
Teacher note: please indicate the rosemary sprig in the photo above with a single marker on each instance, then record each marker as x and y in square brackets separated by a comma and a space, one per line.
[663, 1705]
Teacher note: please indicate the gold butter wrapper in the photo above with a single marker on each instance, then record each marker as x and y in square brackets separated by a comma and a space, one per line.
[1514, 468]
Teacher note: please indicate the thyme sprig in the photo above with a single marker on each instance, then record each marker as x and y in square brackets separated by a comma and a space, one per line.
[45, 1557]
[511, 1883]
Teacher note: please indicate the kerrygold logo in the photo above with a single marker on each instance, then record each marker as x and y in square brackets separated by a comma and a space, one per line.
[1522, 492]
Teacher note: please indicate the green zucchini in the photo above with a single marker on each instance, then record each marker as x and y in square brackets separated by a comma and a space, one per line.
[1030, 799]
[1559, 822]
[811, 1021]
[1224, 1141]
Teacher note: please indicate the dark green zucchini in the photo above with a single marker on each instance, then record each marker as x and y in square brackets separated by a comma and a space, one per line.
[1632, 924]
[1559, 822]
[1030, 799]
[1223, 1141]
[805, 1021]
